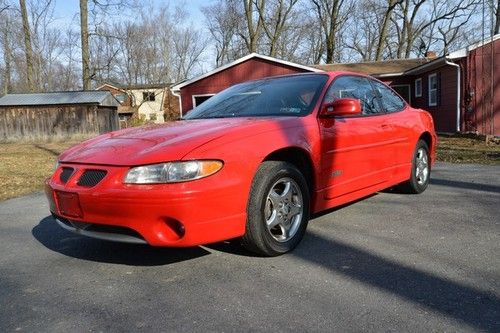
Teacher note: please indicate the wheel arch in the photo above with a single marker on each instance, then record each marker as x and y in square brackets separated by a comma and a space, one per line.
[300, 158]
[427, 138]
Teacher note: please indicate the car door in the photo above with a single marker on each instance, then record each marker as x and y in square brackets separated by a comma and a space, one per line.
[400, 125]
[354, 149]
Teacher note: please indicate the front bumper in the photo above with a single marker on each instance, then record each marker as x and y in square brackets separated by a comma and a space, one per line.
[180, 214]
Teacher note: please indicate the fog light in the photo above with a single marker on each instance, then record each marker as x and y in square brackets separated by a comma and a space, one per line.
[176, 227]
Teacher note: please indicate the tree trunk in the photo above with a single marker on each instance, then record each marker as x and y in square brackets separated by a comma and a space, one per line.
[328, 16]
[253, 32]
[497, 24]
[84, 29]
[7, 86]
[332, 31]
[383, 29]
[27, 46]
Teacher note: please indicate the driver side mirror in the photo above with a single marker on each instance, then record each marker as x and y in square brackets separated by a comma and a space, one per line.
[342, 107]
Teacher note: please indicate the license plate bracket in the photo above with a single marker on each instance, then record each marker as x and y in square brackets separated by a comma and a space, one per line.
[69, 204]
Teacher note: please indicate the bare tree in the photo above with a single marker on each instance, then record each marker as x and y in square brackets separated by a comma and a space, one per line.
[84, 35]
[364, 32]
[382, 39]
[330, 20]
[452, 29]
[3, 7]
[497, 18]
[407, 14]
[189, 46]
[27, 45]
[7, 53]
[254, 23]
[275, 20]
[442, 20]
[223, 20]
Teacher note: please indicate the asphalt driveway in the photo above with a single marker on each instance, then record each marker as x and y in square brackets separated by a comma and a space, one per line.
[390, 262]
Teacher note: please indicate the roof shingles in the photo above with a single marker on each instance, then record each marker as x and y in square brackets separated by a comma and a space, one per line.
[375, 68]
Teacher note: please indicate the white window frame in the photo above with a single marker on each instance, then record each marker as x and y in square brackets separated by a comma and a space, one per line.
[409, 91]
[200, 95]
[418, 83]
[429, 90]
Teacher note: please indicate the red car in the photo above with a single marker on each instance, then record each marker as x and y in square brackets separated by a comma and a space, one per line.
[254, 162]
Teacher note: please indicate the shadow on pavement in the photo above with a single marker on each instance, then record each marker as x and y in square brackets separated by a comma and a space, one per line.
[471, 306]
[232, 246]
[466, 185]
[48, 233]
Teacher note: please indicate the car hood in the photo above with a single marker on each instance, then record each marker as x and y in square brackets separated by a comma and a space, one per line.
[163, 142]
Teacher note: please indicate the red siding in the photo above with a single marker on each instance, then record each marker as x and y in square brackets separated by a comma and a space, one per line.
[251, 69]
[445, 112]
[482, 89]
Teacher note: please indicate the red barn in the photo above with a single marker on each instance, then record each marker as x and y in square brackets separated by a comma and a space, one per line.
[251, 67]
[461, 90]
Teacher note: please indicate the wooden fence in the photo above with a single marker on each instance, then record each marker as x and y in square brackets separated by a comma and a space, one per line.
[59, 121]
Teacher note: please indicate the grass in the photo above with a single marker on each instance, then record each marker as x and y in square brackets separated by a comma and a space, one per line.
[25, 165]
[467, 149]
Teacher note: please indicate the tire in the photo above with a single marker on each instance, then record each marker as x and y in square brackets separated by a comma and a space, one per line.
[278, 209]
[420, 170]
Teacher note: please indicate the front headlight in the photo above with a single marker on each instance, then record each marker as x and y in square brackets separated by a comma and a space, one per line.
[172, 172]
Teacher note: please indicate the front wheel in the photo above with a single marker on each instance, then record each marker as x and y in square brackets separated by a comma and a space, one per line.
[278, 209]
[420, 170]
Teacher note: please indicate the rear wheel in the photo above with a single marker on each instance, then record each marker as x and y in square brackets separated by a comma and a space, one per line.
[278, 209]
[420, 170]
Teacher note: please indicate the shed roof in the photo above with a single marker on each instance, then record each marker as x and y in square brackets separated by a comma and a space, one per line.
[376, 68]
[125, 87]
[101, 98]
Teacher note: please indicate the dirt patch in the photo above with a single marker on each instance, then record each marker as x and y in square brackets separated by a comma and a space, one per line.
[25, 166]
[468, 149]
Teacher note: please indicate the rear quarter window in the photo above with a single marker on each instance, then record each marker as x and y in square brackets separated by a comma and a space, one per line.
[390, 101]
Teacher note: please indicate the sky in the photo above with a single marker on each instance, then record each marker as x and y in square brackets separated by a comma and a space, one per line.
[66, 12]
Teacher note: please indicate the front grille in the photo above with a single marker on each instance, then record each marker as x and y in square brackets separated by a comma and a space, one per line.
[65, 174]
[91, 178]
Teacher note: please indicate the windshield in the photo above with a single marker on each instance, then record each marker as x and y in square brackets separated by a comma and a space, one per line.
[281, 96]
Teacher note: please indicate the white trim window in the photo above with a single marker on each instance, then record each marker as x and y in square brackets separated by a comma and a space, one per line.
[418, 87]
[203, 98]
[433, 89]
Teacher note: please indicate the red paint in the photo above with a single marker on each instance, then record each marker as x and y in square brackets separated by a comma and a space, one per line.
[342, 107]
[366, 154]
[481, 87]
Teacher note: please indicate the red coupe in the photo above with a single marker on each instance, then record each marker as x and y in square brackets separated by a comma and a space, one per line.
[253, 161]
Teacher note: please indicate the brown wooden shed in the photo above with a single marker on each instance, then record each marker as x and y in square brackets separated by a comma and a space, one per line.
[57, 114]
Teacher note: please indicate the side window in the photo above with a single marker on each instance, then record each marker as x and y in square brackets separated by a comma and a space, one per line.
[354, 87]
[391, 102]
